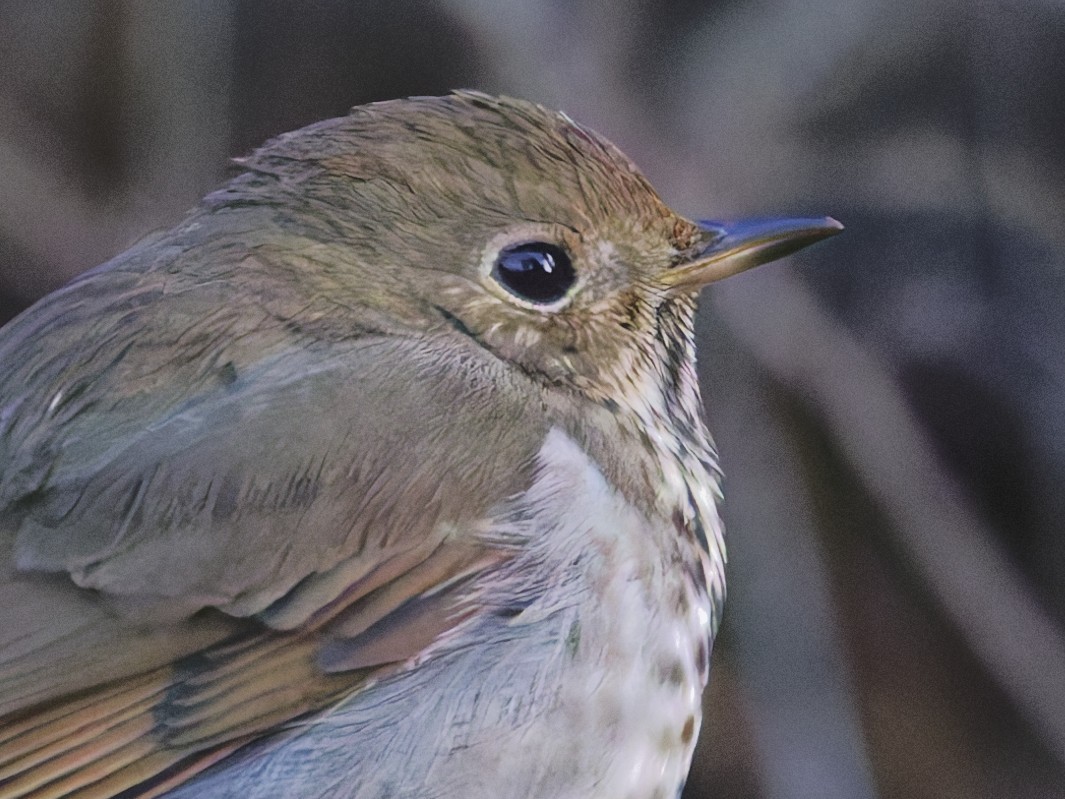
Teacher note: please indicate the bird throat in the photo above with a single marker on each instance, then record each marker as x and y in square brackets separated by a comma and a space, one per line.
[660, 403]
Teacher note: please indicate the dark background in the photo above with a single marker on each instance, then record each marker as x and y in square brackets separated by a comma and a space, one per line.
[889, 406]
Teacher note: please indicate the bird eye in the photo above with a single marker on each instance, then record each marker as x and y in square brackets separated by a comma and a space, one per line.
[536, 272]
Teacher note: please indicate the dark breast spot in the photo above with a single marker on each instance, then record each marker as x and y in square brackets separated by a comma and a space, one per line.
[702, 658]
[688, 730]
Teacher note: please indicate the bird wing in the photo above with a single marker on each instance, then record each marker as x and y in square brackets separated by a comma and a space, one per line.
[198, 547]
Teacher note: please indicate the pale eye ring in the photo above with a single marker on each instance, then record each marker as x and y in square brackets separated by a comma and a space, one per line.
[536, 272]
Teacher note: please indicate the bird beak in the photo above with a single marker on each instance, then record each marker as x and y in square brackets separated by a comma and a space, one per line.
[736, 247]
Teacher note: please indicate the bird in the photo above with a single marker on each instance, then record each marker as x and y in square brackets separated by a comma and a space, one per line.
[384, 473]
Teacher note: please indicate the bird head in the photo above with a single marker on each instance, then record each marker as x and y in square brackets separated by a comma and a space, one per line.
[508, 224]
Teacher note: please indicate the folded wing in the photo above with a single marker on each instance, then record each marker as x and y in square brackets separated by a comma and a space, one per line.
[196, 549]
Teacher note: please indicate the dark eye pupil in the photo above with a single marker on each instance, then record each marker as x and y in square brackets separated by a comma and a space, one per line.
[536, 272]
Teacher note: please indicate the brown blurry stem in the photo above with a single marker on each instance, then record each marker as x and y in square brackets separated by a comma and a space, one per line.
[783, 624]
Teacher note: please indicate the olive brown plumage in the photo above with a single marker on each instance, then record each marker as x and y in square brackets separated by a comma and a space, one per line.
[381, 474]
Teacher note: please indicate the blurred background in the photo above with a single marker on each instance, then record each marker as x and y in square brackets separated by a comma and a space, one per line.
[889, 407]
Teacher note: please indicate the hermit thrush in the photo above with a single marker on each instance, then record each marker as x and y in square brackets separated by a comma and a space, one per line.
[383, 474]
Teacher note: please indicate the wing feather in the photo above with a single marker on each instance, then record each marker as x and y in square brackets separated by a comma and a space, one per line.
[213, 525]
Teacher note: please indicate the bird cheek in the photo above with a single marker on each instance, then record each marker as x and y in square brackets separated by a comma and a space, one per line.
[535, 354]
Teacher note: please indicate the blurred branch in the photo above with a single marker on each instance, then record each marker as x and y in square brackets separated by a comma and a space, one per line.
[176, 102]
[178, 85]
[982, 592]
[46, 215]
[765, 70]
[803, 707]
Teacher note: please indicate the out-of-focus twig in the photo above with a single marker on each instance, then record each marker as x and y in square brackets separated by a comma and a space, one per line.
[804, 713]
[783, 325]
[48, 217]
[178, 88]
[176, 101]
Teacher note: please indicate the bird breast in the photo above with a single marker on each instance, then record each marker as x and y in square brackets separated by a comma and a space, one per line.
[581, 677]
